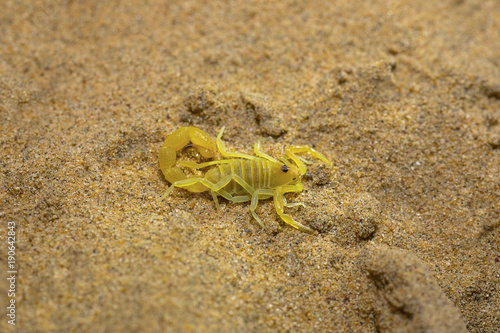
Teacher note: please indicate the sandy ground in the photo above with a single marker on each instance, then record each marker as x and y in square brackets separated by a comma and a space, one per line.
[402, 96]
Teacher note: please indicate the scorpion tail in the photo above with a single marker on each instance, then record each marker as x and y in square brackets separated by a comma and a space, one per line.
[179, 139]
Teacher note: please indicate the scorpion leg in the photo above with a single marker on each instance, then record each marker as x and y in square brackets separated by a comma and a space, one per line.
[255, 200]
[291, 152]
[206, 184]
[194, 165]
[215, 189]
[238, 198]
[224, 152]
[221, 183]
[256, 194]
[187, 183]
[293, 204]
[229, 197]
[241, 198]
[224, 181]
[279, 204]
[266, 193]
[257, 148]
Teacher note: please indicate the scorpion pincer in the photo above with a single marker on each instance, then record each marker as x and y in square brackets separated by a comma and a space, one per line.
[238, 177]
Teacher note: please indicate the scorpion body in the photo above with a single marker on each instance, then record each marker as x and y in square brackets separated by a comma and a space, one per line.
[239, 177]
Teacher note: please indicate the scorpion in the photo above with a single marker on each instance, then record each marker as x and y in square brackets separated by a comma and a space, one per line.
[239, 177]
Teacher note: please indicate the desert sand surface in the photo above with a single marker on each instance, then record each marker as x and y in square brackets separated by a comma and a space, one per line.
[403, 97]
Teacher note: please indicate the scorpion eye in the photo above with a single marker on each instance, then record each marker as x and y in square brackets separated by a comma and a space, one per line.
[284, 168]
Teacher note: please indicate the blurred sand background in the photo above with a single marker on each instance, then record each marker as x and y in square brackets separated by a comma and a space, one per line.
[402, 96]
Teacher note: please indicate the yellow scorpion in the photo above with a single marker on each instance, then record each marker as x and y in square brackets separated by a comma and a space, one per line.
[239, 177]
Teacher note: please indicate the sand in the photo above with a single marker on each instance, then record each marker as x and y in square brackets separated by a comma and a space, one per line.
[402, 96]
